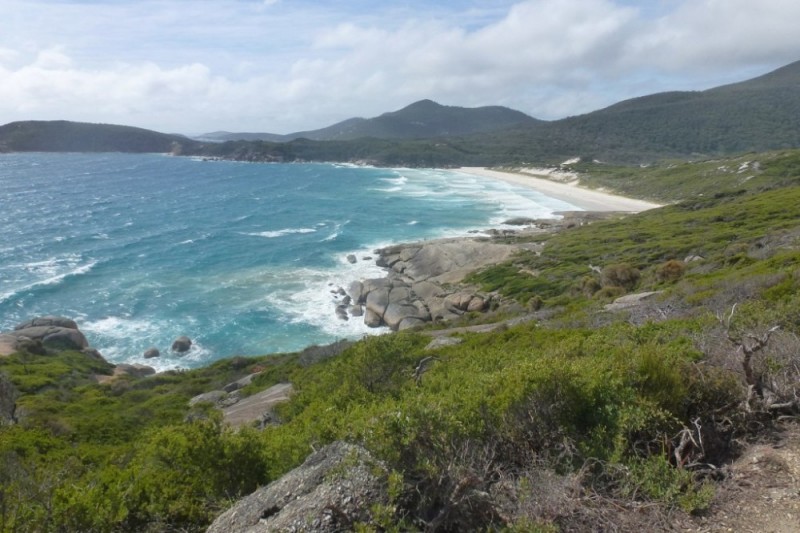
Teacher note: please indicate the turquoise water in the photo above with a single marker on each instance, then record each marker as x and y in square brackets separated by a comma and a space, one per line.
[241, 257]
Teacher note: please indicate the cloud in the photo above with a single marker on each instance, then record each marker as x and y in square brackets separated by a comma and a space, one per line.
[719, 34]
[287, 66]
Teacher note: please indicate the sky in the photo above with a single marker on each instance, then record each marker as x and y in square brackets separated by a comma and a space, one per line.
[280, 66]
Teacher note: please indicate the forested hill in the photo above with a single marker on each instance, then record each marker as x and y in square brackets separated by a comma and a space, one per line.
[65, 136]
[423, 119]
[756, 115]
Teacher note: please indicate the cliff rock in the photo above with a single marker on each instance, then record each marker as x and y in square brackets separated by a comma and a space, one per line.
[331, 491]
[49, 332]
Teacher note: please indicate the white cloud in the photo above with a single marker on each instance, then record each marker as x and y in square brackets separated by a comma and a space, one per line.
[286, 66]
[719, 34]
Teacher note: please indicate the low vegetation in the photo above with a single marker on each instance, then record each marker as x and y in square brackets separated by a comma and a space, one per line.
[584, 417]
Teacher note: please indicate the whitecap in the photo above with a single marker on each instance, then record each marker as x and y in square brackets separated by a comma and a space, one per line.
[401, 180]
[124, 339]
[281, 233]
[51, 280]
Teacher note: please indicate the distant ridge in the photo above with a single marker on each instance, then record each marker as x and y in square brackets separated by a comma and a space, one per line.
[66, 136]
[755, 115]
[420, 120]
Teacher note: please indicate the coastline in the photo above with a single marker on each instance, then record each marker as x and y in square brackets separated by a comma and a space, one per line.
[581, 197]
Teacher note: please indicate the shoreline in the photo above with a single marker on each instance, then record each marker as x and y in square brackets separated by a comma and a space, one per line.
[580, 197]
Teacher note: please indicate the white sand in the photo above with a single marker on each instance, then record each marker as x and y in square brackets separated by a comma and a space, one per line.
[586, 199]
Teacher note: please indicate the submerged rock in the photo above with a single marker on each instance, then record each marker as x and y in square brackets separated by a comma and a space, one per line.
[181, 344]
[150, 353]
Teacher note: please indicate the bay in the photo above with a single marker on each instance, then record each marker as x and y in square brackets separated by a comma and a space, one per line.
[243, 258]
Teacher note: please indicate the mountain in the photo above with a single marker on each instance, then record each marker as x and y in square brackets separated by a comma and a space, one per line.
[755, 115]
[420, 120]
[65, 136]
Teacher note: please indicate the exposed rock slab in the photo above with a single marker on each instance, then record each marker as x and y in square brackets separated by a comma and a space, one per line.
[255, 408]
[446, 260]
[331, 491]
[631, 300]
[8, 344]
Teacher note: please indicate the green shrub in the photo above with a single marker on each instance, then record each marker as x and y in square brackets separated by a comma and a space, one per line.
[671, 271]
[620, 275]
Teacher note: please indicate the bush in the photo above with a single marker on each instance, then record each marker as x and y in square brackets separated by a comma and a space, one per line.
[620, 275]
[670, 271]
[589, 285]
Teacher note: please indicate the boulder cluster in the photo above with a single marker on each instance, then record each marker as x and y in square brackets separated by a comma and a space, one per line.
[423, 283]
[40, 334]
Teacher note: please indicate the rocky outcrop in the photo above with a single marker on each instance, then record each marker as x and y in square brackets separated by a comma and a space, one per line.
[630, 301]
[137, 371]
[45, 333]
[334, 489]
[257, 408]
[53, 332]
[422, 283]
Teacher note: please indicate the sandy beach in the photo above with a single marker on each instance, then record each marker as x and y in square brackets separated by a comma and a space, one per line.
[587, 199]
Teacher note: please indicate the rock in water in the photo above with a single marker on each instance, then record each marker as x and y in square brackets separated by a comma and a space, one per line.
[351, 258]
[151, 353]
[182, 344]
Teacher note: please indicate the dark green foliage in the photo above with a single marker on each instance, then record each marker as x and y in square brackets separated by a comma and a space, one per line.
[64, 136]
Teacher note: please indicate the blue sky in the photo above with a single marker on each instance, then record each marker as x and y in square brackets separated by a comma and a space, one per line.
[194, 66]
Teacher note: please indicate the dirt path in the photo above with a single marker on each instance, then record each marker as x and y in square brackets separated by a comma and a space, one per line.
[762, 491]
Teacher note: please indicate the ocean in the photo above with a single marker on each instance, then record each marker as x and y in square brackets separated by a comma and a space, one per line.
[243, 258]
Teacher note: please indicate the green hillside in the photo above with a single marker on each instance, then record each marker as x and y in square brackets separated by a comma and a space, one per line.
[65, 136]
[420, 120]
[755, 115]
[582, 415]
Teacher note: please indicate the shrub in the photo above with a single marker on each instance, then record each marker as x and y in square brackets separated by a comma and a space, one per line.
[620, 275]
[610, 291]
[670, 271]
[589, 285]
